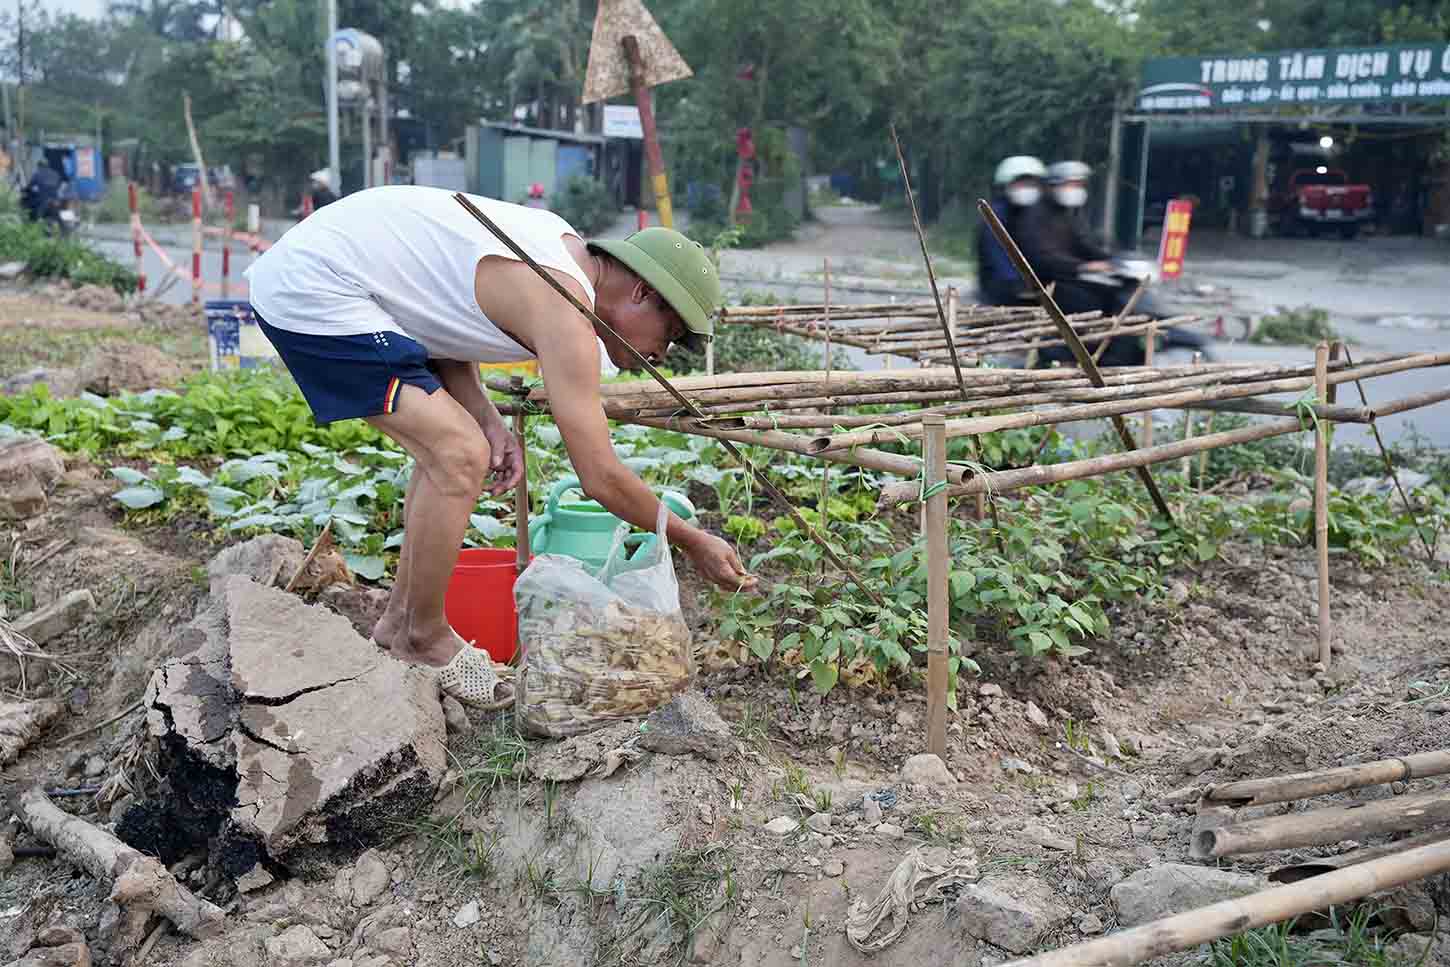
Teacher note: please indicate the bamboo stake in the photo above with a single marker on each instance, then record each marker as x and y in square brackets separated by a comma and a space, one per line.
[926, 257]
[1321, 496]
[1187, 466]
[934, 454]
[765, 482]
[1004, 481]
[1328, 864]
[1042, 339]
[1149, 350]
[1334, 414]
[521, 523]
[1119, 318]
[1079, 352]
[1327, 782]
[1390, 464]
[1318, 827]
[826, 469]
[1187, 930]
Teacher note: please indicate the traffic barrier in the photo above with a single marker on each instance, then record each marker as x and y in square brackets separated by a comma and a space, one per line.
[136, 237]
[141, 240]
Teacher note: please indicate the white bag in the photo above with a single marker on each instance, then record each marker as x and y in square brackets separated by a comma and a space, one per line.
[600, 648]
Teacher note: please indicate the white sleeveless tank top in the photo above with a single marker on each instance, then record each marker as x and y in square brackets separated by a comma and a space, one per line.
[401, 258]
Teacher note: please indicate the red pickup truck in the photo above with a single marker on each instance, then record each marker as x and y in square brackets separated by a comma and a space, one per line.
[1318, 198]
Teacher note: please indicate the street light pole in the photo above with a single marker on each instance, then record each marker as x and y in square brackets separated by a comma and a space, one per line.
[334, 164]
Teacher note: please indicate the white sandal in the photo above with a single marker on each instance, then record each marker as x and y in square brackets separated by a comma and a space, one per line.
[470, 678]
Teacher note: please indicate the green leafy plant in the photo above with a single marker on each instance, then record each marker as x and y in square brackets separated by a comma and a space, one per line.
[585, 203]
[1301, 326]
[48, 256]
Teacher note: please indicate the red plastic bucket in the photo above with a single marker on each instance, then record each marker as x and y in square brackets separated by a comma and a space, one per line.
[479, 603]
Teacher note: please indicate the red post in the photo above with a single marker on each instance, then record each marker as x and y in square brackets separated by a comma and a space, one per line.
[642, 98]
[643, 219]
[306, 204]
[229, 214]
[136, 235]
[196, 246]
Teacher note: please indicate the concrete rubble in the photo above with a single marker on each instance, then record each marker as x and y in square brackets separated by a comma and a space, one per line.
[30, 468]
[687, 724]
[56, 618]
[21, 723]
[1013, 915]
[283, 729]
[1170, 888]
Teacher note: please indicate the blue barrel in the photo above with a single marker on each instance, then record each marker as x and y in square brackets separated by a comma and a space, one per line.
[235, 339]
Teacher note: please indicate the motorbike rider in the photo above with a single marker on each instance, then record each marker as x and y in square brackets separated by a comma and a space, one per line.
[43, 191]
[1058, 246]
[1018, 188]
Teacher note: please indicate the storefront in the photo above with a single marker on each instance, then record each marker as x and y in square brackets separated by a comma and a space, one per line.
[1235, 133]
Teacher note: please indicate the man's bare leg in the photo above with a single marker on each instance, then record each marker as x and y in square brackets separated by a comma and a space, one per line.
[451, 459]
[393, 622]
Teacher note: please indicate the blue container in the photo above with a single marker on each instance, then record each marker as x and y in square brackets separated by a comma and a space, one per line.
[235, 339]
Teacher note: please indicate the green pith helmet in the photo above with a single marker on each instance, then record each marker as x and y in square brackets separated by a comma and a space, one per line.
[678, 269]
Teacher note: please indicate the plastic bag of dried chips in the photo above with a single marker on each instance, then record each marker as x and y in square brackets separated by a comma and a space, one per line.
[599, 648]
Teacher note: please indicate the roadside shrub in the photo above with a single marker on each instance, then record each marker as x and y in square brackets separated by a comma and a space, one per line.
[1302, 326]
[585, 203]
[115, 206]
[48, 256]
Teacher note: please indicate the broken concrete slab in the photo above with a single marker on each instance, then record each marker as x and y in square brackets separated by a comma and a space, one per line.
[926, 769]
[306, 736]
[1013, 915]
[1170, 888]
[56, 618]
[687, 724]
[21, 723]
[578, 755]
[267, 559]
[30, 468]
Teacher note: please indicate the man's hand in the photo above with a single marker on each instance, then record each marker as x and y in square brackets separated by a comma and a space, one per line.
[506, 460]
[1095, 267]
[718, 562]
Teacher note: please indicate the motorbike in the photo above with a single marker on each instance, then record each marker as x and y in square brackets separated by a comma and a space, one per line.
[1125, 274]
[57, 213]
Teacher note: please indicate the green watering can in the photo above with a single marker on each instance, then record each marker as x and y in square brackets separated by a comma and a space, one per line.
[583, 529]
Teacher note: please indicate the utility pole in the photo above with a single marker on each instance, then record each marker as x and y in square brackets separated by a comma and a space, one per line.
[20, 85]
[334, 163]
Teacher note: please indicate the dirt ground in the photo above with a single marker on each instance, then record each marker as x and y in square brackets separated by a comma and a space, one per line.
[1068, 776]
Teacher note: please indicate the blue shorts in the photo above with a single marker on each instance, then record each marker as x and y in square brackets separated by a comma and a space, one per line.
[344, 377]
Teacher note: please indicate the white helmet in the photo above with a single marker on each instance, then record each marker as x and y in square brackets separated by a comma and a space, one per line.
[1019, 166]
[1068, 171]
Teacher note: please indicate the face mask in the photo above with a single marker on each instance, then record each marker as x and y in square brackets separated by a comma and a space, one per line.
[1070, 197]
[1022, 197]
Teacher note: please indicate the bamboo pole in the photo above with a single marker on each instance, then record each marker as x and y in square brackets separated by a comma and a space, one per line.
[860, 457]
[1120, 318]
[926, 257]
[825, 507]
[1334, 414]
[1045, 339]
[1149, 351]
[521, 523]
[1326, 864]
[1321, 497]
[1318, 827]
[1187, 466]
[1079, 351]
[1185, 931]
[934, 454]
[1083, 323]
[1003, 481]
[1327, 782]
[1115, 408]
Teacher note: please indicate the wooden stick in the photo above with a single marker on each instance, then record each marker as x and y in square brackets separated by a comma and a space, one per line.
[521, 522]
[1321, 496]
[1318, 827]
[1187, 466]
[1334, 414]
[323, 542]
[1434, 396]
[1326, 782]
[202, 176]
[1118, 319]
[1004, 481]
[825, 507]
[1079, 352]
[1326, 864]
[1149, 351]
[760, 476]
[926, 257]
[1187, 930]
[934, 455]
[137, 881]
